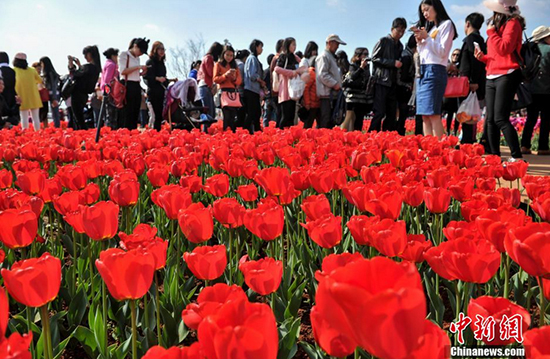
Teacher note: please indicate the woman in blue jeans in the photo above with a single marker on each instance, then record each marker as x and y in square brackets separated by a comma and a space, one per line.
[434, 34]
[51, 82]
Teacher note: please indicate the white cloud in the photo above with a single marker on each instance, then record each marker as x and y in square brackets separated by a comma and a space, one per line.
[466, 10]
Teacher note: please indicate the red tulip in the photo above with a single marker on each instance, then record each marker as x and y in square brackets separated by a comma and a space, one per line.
[207, 263]
[472, 209]
[417, 245]
[321, 179]
[365, 301]
[208, 302]
[473, 260]
[192, 352]
[274, 180]
[193, 183]
[267, 221]
[217, 185]
[68, 202]
[529, 246]
[4, 313]
[358, 226]
[101, 220]
[333, 262]
[158, 175]
[6, 179]
[460, 229]
[414, 194]
[76, 220]
[537, 342]
[494, 224]
[326, 231]
[34, 282]
[248, 193]
[515, 170]
[72, 177]
[90, 194]
[463, 190]
[263, 276]
[172, 198]
[124, 192]
[433, 344]
[439, 178]
[128, 275]
[16, 347]
[18, 227]
[437, 200]
[229, 212]
[240, 329]
[196, 223]
[501, 310]
[144, 236]
[316, 207]
[32, 182]
[388, 237]
[541, 206]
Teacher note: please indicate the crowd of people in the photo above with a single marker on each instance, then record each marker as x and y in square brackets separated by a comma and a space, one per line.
[405, 80]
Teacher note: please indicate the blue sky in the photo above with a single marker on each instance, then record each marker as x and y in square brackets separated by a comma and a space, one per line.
[57, 28]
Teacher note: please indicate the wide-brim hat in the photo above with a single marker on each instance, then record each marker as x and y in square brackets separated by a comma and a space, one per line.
[540, 33]
[20, 56]
[508, 7]
[336, 38]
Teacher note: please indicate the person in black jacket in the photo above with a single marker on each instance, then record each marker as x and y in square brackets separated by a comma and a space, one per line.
[405, 83]
[5, 111]
[355, 89]
[386, 60]
[473, 69]
[8, 75]
[85, 77]
[156, 80]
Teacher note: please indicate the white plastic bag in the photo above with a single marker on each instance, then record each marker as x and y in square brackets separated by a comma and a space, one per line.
[296, 87]
[469, 111]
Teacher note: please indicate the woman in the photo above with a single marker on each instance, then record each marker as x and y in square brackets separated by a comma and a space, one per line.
[44, 96]
[131, 70]
[51, 82]
[504, 42]
[110, 72]
[227, 76]
[311, 102]
[85, 77]
[355, 88]
[450, 105]
[343, 62]
[540, 88]
[434, 34]
[26, 81]
[253, 85]
[240, 58]
[156, 80]
[205, 77]
[195, 66]
[312, 50]
[287, 68]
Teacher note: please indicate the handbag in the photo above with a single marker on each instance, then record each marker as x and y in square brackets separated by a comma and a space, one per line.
[457, 87]
[230, 98]
[276, 80]
[523, 98]
[44, 94]
[67, 87]
[117, 90]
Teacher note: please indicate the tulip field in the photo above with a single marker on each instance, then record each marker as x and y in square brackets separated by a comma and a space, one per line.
[275, 245]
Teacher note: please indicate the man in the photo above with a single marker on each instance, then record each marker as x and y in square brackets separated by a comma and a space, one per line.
[329, 80]
[386, 58]
[405, 82]
[472, 68]
[8, 74]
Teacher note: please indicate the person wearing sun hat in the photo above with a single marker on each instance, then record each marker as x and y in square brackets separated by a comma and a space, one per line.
[26, 79]
[504, 31]
[540, 89]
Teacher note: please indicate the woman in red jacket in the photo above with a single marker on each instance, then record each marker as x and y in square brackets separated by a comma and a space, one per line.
[504, 32]
[205, 74]
[228, 77]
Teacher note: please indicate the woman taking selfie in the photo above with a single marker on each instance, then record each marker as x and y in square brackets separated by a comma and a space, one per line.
[130, 72]
[156, 80]
[503, 72]
[228, 77]
[355, 88]
[434, 34]
[85, 78]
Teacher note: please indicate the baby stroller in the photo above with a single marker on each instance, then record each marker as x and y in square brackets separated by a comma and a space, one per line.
[183, 108]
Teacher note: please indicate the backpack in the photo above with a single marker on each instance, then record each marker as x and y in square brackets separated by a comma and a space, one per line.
[339, 109]
[529, 60]
[66, 86]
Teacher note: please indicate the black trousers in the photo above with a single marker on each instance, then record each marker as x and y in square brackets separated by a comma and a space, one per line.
[253, 111]
[418, 125]
[156, 97]
[78, 102]
[312, 115]
[403, 95]
[499, 96]
[540, 105]
[385, 106]
[288, 109]
[230, 117]
[133, 104]
[325, 113]
[360, 110]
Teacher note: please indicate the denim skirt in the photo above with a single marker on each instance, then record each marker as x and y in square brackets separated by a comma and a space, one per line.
[430, 89]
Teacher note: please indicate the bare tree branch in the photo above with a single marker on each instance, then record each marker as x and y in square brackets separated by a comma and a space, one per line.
[181, 57]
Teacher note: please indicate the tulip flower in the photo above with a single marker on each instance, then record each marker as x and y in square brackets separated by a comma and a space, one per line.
[158, 175]
[417, 245]
[207, 263]
[142, 238]
[229, 212]
[388, 237]
[192, 352]
[18, 227]
[193, 183]
[267, 221]
[32, 182]
[528, 246]
[171, 198]
[437, 200]
[326, 231]
[210, 299]
[124, 192]
[541, 206]
[6, 179]
[433, 344]
[217, 185]
[263, 276]
[72, 177]
[315, 207]
[538, 343]
[228, 332]
[196, 223]
[248, 193]
[100, 220]
[274, 180]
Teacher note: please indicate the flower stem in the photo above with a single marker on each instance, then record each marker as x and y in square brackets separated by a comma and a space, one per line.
[157, 305]
[542, 321]
[134, 329]
[506, 276]
[104, 306]
[48, 350]
[29, 328]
